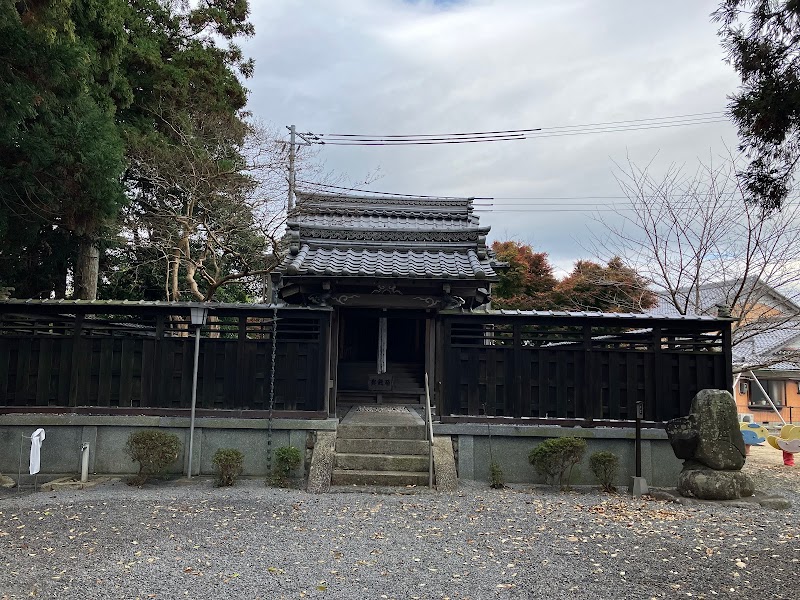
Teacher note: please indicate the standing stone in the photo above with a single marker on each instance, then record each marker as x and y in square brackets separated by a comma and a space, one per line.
[720, 442]
[710, 443]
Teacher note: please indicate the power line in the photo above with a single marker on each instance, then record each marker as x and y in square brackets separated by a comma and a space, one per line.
[518, 131]
[504, 199]
[500, 204]
[434, 141]
[515, 134]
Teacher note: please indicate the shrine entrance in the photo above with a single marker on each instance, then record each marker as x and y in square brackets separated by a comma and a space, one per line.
[381, 356]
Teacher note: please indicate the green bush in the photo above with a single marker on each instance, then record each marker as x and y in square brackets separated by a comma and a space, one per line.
[287, 459]
[228, 464]
[604, 465]
[496, 476]
[154, 451]
[555, 458]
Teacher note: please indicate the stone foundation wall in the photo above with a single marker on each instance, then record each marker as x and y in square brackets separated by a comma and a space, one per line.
[511, 444]
[107, 435]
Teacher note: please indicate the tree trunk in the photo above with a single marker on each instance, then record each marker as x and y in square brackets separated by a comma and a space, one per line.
[60, 284]
[87, 266]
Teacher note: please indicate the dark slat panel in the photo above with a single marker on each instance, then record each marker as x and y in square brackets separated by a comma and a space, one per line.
[44, 369]
[148, 357]
[127, 356]
[104, 381]
[5, 368]
[64, 370]
[22, 394]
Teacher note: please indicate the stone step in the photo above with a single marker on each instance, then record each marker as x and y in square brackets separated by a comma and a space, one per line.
[382, 462]
[388, 478]
[384, 432]
[368, 446]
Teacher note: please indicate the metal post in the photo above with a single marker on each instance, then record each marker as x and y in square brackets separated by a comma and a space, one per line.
[290, 200]
[194, 397]
[639, 415]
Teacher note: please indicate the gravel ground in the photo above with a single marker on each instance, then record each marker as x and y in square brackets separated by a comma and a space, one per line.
[250, 541]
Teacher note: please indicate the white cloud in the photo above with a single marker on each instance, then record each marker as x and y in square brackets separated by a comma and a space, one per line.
[368, 66]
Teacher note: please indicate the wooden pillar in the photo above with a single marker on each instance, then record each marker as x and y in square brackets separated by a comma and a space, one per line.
[727, 353]
[242, 385]
[332, 360]
[660, 392]
[154, 397]
[590, 398]
[516, 403]
[382, 342]
[77, 358]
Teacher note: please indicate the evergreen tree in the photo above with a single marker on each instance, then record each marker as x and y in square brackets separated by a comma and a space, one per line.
[761, 38]
[86, 88]
[61, 153]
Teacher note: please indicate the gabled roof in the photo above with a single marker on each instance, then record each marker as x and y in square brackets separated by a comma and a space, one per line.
[722, 292]
[411, 237]
[758, 342]
[769, 345]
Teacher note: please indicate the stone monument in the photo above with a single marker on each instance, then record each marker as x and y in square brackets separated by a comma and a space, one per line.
[710, 443]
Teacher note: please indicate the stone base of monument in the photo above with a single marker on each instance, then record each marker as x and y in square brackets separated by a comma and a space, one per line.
[712, 484]
[638, 486]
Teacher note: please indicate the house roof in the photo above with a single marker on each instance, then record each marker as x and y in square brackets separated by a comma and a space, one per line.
[410, 237]
[765, 342]
[758, 342]
[722, 292]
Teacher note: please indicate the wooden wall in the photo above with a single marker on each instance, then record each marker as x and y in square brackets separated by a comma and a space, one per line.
[564, 369]
[146, 361]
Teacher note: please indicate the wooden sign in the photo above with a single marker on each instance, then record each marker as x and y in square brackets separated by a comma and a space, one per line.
[380, 383]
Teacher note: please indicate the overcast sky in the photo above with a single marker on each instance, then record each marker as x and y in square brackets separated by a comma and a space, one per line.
[399, 67]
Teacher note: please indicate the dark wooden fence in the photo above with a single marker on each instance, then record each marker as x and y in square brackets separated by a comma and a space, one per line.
[138, 358]
[573, 370]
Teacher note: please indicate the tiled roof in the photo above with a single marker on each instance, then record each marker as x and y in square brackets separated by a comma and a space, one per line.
[723, 292]
[407, 237]
[416, 264]
[384, 221]
[756, 343]
[760, 347]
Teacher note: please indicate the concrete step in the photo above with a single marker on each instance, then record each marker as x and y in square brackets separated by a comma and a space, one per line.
[385, 432]
[382, 462]
[398, 478]
[367, 446]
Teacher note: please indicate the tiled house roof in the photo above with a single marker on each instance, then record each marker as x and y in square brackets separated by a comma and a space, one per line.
[760, 342]
[723, 292]
[765, 347]
[386, 237]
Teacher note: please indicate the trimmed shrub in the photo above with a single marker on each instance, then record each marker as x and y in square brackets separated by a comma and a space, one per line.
[228, 464]
[555, 458]
[287, 459]
[496, 476]
[154, 450]
[604, 466]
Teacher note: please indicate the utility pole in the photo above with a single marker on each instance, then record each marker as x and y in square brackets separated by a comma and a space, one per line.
[290, 200]
[293, 135]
